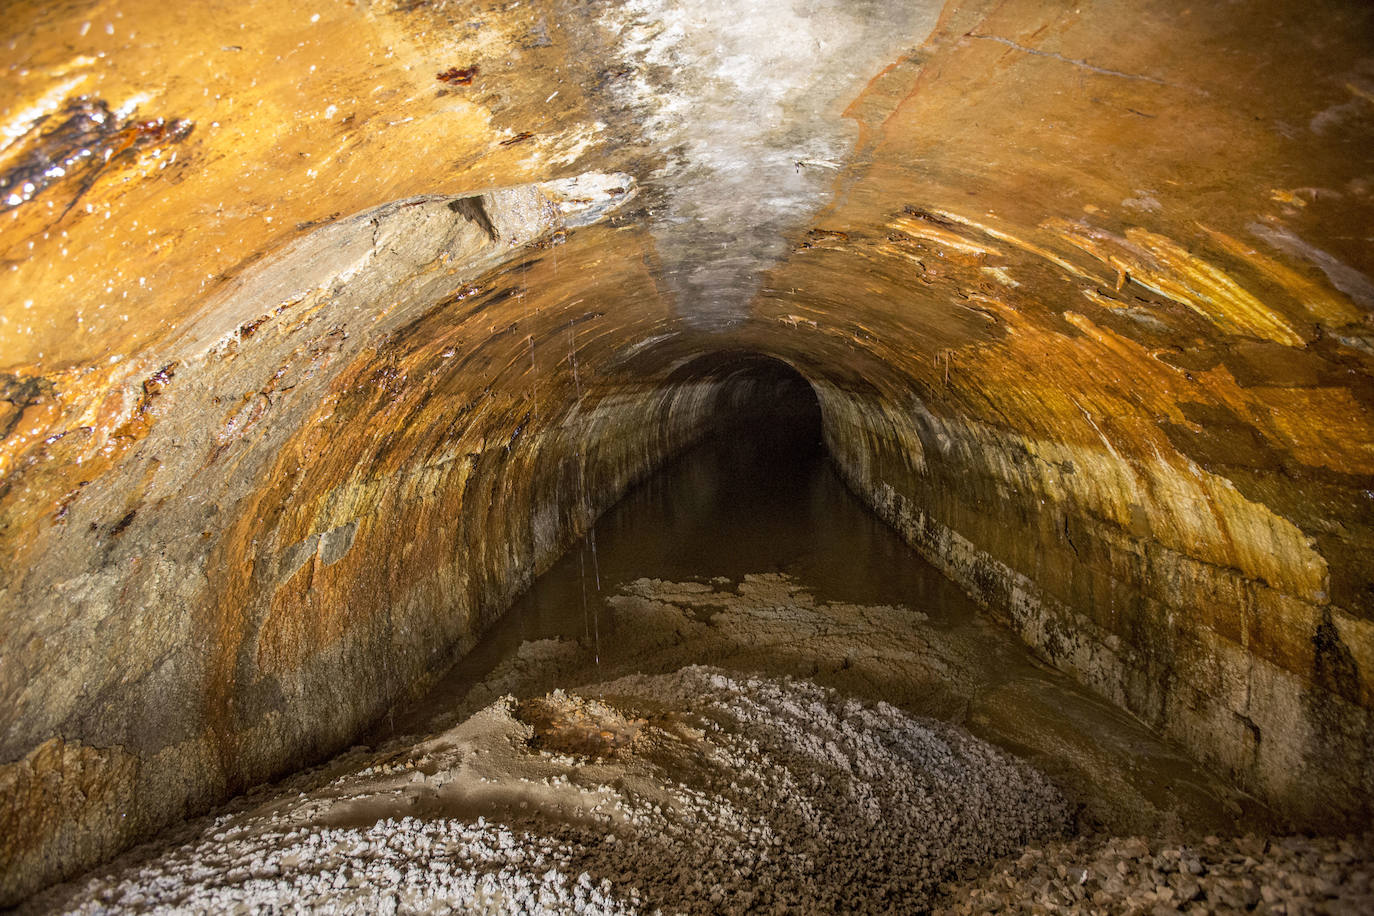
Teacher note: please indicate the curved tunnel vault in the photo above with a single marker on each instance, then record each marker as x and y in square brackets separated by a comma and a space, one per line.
[293, 405]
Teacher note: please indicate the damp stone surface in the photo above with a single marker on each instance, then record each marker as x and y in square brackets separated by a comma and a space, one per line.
[325, 329]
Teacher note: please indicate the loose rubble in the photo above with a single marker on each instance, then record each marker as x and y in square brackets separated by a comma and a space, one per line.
[1121, 777]
[1136, 875]
[694, 792]
[658, 788]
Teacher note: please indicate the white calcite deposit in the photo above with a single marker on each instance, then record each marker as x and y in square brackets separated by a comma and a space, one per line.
[692, 792]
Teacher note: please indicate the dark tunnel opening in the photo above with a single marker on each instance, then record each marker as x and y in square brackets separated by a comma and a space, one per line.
[768, 410]
[757, 498]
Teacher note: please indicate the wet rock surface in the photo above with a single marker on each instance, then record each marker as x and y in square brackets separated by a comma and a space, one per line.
[1084, 291]
[592, 772]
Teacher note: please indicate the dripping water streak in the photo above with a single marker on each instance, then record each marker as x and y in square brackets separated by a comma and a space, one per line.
[582, 573]
[596, 615]
[586, 502]
[581, 482]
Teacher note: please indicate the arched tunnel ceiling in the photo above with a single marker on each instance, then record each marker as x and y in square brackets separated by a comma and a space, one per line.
[1085, 291]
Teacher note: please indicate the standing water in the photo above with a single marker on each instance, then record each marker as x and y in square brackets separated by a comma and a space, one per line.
[753, 500]
[782, 570]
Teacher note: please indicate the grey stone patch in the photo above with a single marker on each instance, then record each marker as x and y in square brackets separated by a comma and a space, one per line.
[1342, 276]
[336, 542]
[296, 556]
[472, 209]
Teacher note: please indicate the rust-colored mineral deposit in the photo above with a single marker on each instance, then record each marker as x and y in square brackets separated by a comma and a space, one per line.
[326, 328]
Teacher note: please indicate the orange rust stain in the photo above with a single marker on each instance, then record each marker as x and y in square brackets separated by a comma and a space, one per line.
[276, 149]
[308, 614]
[1165, 267]
[63, 789]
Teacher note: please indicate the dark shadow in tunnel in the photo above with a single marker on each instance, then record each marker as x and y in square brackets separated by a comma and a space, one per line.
[757, 495]
[766, 408]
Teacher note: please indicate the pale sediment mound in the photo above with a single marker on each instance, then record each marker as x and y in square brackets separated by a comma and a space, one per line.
[694, 792]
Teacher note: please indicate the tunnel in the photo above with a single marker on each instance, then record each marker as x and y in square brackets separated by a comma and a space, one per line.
[632, 455]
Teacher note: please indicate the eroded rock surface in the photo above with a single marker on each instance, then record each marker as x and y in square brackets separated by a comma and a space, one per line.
[292, 402]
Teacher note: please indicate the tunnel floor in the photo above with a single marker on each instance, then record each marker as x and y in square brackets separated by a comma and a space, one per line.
[744, 693]
[757, 521]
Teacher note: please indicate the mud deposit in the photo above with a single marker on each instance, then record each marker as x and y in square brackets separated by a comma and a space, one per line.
[750, 698]
[709, 790]
[694, 792]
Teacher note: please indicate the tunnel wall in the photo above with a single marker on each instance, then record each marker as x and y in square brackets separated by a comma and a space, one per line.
[1085, 288]
[1217, 632]
[309, 502]
[1092, 322]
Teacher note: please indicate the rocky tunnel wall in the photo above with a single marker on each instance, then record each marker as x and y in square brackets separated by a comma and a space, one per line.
[289, 410]
[1120, 390]
[315, 499]
[1200, 629]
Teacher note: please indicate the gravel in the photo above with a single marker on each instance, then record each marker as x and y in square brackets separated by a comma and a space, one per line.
[693, 792]
[706, 790]
[1130, 875]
